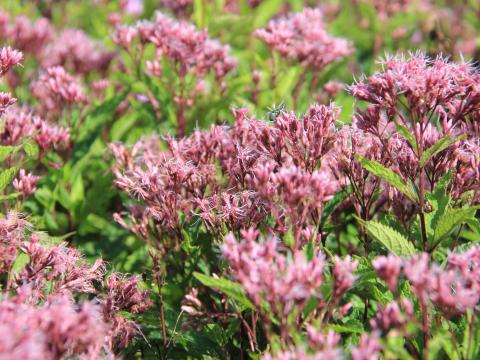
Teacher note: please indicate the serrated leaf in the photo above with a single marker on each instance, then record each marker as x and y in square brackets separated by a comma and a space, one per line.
[390, 238]
[450, 220]
[353, 326]
[6, 177]
[388, 175]
[229, 288]
[440, 145]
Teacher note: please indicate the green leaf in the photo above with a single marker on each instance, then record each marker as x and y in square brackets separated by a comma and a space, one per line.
[390, 238]
[352, 326]
[450, 220]
[6, 177]
[440, 145]
[31, 149]
[10, 196]
[337, 199]
[403, 130]
[265, 11]
[20, 262]
[5, 152]
[388, 175]
[439, 202]
[229, 288]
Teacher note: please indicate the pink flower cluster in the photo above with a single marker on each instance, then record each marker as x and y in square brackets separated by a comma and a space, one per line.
[73, 49]
[19, 124]
[192, 51]
[25, 35]
[267, 166]
[25, 183]
[40, 307]
[303, 37]
[452, 290]
[53, 330]
[286, 283]
[414, 102]
[368, 348]
[57, 90]
[429, 87]
[8, 59]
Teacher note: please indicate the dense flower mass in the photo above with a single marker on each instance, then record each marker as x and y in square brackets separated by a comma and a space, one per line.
[39, 305]
[303, 37]
[74, 50]
[56, 89]
[239, 179]
[267, 274]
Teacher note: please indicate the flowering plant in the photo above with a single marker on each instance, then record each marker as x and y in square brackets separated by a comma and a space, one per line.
[239, 179]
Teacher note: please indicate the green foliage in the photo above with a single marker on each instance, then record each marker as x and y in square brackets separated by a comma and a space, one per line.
[440, 145]
[233, 290]
[388, 175]
[389, 237]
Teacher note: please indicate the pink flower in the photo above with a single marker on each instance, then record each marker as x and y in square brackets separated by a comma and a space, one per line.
[8, 59]
[19, 124]
[309, 138]
[57, 90]
[368, 349]
[191, 49]
[388, 268]
[6, 100]
[73, 49]
[302, 37]
[343, 277]
[12, 234]
[28, 37]
[266, 274]
[391, 316]
[25, 183]
[132, 7]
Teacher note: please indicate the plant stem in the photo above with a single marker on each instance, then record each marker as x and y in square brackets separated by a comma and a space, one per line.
[422, 214]
[426, 332]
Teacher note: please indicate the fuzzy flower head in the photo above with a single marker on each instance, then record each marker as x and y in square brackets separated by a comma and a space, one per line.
[8, 59]
[73, 49]
[266, 274]
[303, 37]
[343, 275]
[368, 348]
[6, 100]
[388, 268]
[18, 124]
[27, 36]
[56, 90]
[428, 86]
[25, 183]
[192, 50]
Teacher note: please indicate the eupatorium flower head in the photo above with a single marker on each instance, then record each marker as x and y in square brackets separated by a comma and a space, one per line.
[57, 90]
[8, 59]
[267, 274]
[303, 37]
